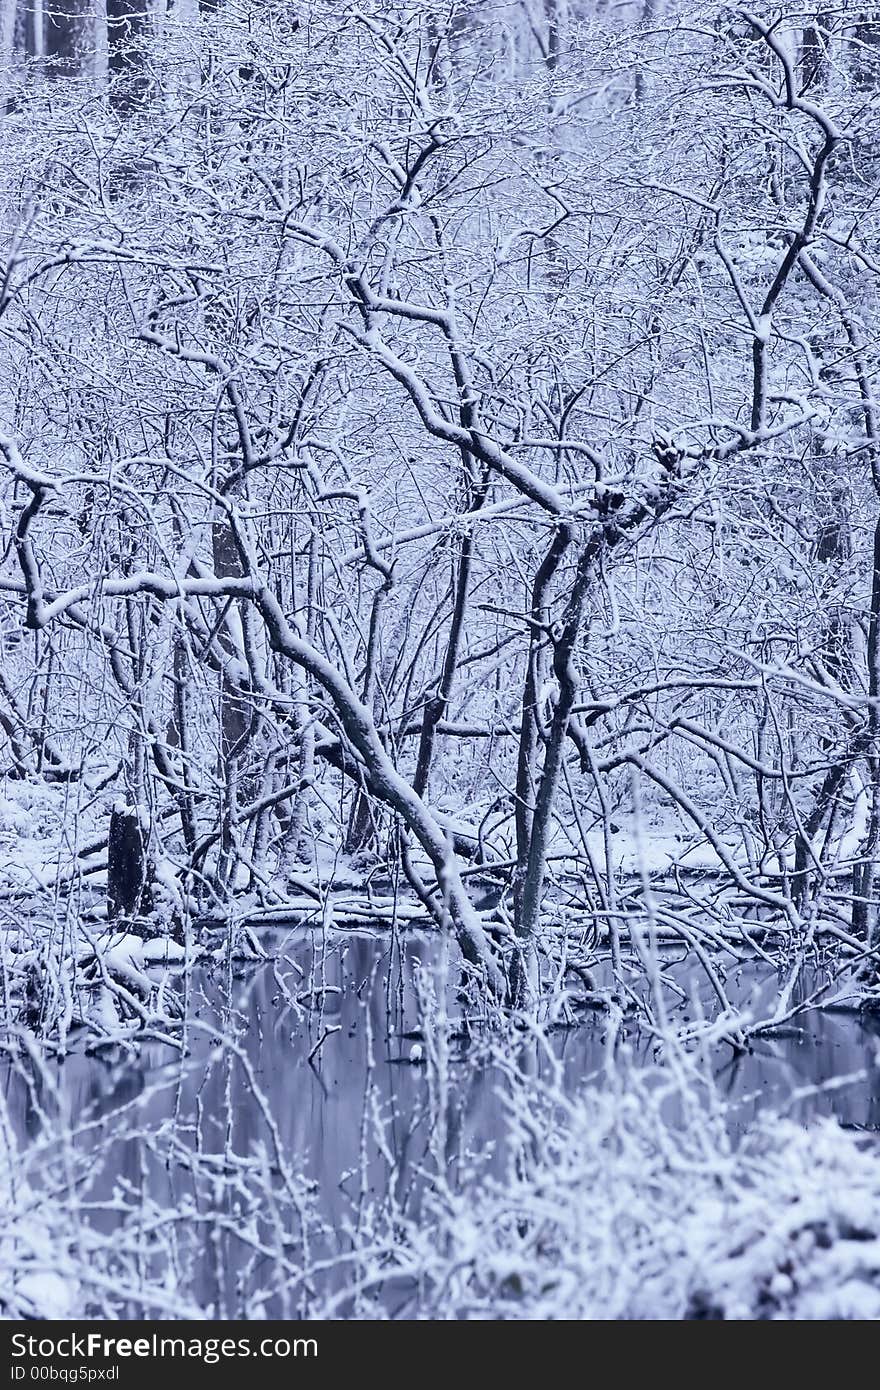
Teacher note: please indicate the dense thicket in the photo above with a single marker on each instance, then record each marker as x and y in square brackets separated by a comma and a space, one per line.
[440, 447]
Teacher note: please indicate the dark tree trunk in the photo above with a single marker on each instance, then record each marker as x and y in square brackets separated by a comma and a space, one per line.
[529, 884]
[437, 704]
[126, 28]
[65, 30]
[814, 52]
[526, 772]
[235, 713]
[129, 872]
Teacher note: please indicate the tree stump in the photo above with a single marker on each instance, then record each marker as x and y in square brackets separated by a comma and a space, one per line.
[129, 871]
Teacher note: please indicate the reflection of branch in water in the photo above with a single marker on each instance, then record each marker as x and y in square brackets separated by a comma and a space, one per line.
[321, 1041]
[730, 1071]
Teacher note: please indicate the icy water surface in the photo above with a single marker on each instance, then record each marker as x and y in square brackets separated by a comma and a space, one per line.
[329, 1046]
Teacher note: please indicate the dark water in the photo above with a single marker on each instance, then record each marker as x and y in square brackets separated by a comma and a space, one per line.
[357, 1117]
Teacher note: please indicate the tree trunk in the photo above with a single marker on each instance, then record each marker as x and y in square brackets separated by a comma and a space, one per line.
[438, 703]
[7, 46]
[527, 752]
[234, 712]
[129, 870]
[865, 876]
[65, 30]
[100, 41]
[529, 885]
[126, 27]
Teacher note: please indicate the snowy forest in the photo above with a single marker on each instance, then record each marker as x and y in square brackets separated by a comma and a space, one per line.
[439, 659]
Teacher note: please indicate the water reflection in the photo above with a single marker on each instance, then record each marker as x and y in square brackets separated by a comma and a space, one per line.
[325, 1065]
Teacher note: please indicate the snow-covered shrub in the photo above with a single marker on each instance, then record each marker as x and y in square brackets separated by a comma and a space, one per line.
[56, 1259]
[32, 832]
[635, 1204]
[627, 1200]
[98, 983]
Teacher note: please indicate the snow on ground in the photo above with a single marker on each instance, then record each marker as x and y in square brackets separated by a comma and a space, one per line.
[42, 828]
[607, 1210]
[32, 819]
